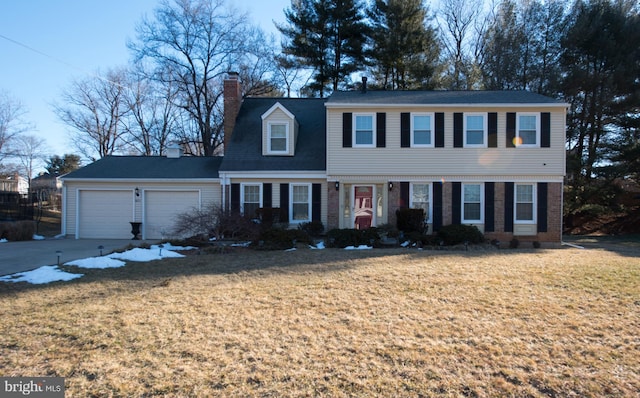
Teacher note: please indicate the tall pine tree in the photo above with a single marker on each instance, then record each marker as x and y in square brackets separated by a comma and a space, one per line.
[405, 51]
[327, 36]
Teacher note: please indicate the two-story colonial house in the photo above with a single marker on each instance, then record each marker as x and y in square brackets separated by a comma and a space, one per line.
[493, 159]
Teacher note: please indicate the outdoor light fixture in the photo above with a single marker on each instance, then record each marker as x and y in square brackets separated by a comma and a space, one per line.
[137, 191]
[337, 185]
[390, 186]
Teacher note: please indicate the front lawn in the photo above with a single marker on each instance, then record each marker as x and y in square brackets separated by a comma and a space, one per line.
[390, 322]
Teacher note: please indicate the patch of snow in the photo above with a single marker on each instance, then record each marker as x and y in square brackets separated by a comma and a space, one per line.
[3, 240]
[141, 255]
[45, 274]
[59, 236]
[361, 247]
[318, 246]
[291, 250]
[244, 244]
[405, 243]
[38, 237]
[169, 246]
[97, 263]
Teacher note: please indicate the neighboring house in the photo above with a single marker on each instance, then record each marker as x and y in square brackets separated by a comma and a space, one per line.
[493, 159]
[16, 183]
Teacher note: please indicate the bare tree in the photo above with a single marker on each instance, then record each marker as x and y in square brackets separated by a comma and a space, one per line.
[459, 26]
[29, 150]
[193, 43]
[12, 123]
[152, 114]
[95, 107]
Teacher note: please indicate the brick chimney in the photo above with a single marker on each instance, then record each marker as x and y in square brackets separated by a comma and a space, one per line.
[232, 101]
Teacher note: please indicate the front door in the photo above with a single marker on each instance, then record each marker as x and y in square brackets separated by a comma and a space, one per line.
[363, 206]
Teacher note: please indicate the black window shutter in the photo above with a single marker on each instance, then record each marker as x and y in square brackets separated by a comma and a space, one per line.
[439, 127]
[381, 130]
[405, 130]
[508, 206]
[347, 129]
[316, 201]
[267, 195]
[457, 130]
[235, 198]
[404, 194]
[543, 189]
[437, 206]
[492, 134]
[511, 130]
[489, 211]
[456, 203]
[284, 202]
[545, 129]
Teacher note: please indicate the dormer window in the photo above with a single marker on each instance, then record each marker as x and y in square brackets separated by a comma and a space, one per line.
[279, 131]
[278, 137]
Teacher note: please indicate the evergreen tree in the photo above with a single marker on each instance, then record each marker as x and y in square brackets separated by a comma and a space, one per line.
[602, 69]
[57, 165]
[404, 48]
[327, 36]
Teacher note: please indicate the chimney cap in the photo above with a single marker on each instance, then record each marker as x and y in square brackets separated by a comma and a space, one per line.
[232, 75]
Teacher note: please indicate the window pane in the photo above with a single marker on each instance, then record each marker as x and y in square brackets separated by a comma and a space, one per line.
[300, 211]
[524, 193]
[252, 194]
[524, 211]
[300, 193]
[364, 130]
[528, 137]
[527, 129]
[475, 123]
[364, 123]
[472, 193]
[420, 198]
[472, 211]
[278, 130]
[475, 137]
[422, 130]
[364, 138]
[422, 138]
[528, 122]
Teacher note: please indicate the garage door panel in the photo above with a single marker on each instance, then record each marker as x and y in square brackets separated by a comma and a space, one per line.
[105, 214]
[162, 209]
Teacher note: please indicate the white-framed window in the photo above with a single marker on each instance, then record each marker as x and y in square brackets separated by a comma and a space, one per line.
[422, 126]
[420, 198]
[278, 137]
[364, 130]
[527, 130]
[472, 203]
[251, 198]
[300, 208]
[475, 130]
[524, 207]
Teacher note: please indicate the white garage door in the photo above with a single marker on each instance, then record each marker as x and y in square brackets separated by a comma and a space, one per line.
[105, 214]
[161, 209]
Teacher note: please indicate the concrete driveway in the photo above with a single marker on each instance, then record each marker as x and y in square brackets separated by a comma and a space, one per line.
[28, 255]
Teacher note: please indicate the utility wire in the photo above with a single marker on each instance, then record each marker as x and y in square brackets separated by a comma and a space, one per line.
[61, 61]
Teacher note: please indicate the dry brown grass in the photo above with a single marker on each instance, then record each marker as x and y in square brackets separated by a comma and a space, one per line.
[336, 323]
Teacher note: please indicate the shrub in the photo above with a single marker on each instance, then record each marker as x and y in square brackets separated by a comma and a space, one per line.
[352, 237]
[280, 239]
[410, 220]
[455, 234]
[17, 230]
[313, 228]
[514, 243]
[212, 220]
